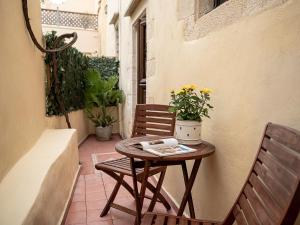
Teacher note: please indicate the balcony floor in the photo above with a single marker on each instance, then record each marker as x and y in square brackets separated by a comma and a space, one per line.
[94, 187]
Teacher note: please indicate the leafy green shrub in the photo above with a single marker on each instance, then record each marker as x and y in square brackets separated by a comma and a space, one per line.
[106, 66]
[72, 68]
[100, 94]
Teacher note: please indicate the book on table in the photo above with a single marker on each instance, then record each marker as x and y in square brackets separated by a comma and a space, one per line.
[164, 147]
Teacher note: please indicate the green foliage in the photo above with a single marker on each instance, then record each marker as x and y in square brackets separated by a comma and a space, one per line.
[106, 66]
[72, 67]
[189, 104]
[100, 94]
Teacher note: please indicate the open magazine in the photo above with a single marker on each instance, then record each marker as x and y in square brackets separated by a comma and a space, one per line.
[164, 147]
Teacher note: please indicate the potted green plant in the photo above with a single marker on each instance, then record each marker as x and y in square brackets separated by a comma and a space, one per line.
[191, 106]
[100, 95]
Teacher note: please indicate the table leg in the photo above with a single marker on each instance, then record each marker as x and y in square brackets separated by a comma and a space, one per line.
[158, 188]
[189, 182]
[136, 193]
[190, 198]
[144, 182]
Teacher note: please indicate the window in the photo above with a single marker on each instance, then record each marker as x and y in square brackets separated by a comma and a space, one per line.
[205, 6]
[117, 39]
[105, 9]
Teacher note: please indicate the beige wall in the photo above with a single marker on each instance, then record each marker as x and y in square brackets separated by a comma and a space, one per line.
[251, 61]
[21, 83]
[22, 92]
[87, 42]
[31, 163]
[78, 120]
[253, 67]
[107, 31]
[84, 6]
[103, 27]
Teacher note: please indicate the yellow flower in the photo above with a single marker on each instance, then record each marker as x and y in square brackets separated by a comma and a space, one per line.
[180, 91]
[206, 91]
[185, 87]
[191, 87]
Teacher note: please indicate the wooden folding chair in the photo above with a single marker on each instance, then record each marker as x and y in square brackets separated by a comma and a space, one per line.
[150, 119]
[271, 194]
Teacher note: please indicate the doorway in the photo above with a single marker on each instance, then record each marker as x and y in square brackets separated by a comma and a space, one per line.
[141, 59]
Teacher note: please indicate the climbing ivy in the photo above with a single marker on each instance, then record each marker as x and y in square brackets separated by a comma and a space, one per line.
[72, 67]
[106, 66]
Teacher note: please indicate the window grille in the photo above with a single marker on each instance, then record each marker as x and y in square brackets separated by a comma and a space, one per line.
[69, 19]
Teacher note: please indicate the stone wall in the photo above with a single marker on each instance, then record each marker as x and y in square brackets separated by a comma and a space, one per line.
[200, 19]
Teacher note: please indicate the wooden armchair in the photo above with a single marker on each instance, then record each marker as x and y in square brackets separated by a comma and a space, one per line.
[150, 119]
[271, 194]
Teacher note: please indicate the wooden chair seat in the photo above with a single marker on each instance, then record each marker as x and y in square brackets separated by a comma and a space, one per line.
[150, 119]
[271, 194]
[122, 166]
[164, 219]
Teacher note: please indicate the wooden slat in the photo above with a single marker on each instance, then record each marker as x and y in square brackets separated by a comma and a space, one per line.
[286, 136]
[239, 216]
[287, 179]
[257, 206]
[153, 132]
[269, 201]
[157, 114]
[148, 219]
[247, 210]
[154, 126]
[160, 220]
[154, 120]
[274, 186]
[286, 156]
[193, 222]
[155, 107]
[183, 221]
[123, 209]
[171, 220]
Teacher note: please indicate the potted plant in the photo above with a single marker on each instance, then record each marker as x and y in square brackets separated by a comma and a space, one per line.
[191, 106]
[100, 95]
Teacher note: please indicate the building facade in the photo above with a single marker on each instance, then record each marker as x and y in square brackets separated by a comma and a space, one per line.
[247, 51]
[74, 16]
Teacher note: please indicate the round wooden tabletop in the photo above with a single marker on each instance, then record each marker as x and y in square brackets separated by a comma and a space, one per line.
[126, 147]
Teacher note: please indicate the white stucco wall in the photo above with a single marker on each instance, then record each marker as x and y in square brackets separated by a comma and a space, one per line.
[87, 42]
[252, 64]
[83, 6]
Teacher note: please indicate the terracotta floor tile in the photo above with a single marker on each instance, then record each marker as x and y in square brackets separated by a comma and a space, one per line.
[76, 217]
[119, 215]
[77, 206]
[94, 196]
[106, 222]
[95, 204]
[96, 180]
[76, 224]
[78, 197]
[92, 177]
[94, 216]
[93, 188]
[122, 222]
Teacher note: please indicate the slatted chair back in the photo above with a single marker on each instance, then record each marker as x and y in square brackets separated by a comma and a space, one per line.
[271, 194]
[153, 119]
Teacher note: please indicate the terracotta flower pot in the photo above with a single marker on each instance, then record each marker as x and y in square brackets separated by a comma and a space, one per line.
[188, 132]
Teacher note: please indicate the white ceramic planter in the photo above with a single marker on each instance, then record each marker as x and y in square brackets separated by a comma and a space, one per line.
[188, 132]
[103, 133]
